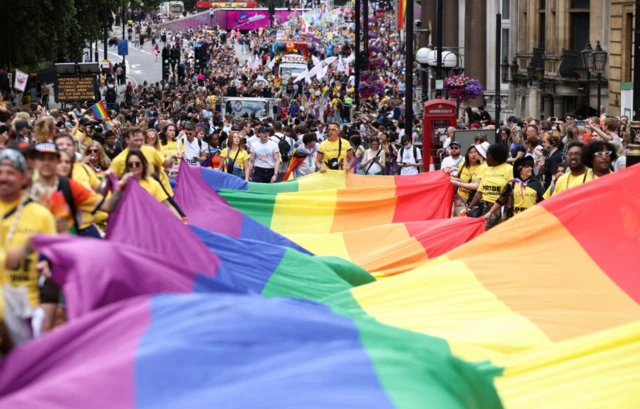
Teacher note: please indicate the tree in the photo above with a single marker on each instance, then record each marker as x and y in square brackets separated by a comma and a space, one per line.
[43, 30]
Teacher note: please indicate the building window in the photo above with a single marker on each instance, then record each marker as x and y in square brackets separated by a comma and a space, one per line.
[542, 23]
[505, 9]
[579, 22]
[505, 48]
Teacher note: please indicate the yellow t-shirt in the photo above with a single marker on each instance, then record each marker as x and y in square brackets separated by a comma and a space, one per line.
[171, 148]
[34, 219]
[155, 160]
[83, 174]
[520, 203]
[567, 181]
[153, 187]
[466, 175]
[240, 160]
[494, 180]
[330, 149]
[87, 139]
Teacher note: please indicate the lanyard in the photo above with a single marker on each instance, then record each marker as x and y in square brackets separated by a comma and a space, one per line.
[584, 179]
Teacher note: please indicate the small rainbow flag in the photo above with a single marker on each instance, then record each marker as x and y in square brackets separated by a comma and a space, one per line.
[325, 91]
[99, 110]
[108, 123]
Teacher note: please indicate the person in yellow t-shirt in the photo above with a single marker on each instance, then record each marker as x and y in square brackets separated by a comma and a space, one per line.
[21, 220]
[469, 178]
[520, 193]
[135, 140]
[235, 157]
[169, 144]
[577, 173]
[333, 150]
[138, 166]
[465, 174]
[495, 178]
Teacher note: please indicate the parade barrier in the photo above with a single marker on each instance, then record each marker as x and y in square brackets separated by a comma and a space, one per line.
[395, 248]
[236, 351]
[427, 197]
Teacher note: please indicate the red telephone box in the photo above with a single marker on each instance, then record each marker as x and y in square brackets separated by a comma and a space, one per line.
[439, 114]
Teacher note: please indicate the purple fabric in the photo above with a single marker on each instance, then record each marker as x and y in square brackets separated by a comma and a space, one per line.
[204, 207]
[52, 362]
[143, 222]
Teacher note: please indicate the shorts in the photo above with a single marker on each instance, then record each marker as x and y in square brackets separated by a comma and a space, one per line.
[49, 292]
[262, 175]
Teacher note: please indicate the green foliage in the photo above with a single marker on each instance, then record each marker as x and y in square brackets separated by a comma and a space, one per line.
[44, 29]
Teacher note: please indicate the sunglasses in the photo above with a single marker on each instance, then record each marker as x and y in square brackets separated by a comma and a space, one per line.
[603, 153]
[134, 165]
[455, 148]
[93, 151]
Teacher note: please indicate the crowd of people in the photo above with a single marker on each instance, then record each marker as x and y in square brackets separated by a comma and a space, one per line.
[55, 165]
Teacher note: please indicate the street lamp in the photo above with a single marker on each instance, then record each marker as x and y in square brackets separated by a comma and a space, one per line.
[599, 61]
[540, 71]
[504, 68]
[587, 61]
[515, 68]
[531, 72]
[422, 57]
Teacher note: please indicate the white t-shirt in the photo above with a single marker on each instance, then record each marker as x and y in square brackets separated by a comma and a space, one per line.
[405, 155]
[193, 149]
[252, 139]
[264, 153]
[449, 162]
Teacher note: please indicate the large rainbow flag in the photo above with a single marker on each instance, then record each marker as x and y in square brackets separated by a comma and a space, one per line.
[392, 200]
[236, 351]
[396, 248]
[553, 290]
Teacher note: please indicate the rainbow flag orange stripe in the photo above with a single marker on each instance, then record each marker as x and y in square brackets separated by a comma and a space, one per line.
[402, 11]
[99, 110]
[399, 247]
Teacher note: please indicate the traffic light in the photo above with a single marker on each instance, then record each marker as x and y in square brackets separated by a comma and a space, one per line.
[364, 61]
[166, 67]
[198, 58]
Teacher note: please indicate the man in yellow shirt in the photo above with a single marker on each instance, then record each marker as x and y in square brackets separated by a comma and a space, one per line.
[333, 151]
[134, 139]
[21, 220]
[578, 173]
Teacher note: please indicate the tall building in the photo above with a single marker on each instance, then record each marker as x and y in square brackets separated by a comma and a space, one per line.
[544, 38]
[621, 57]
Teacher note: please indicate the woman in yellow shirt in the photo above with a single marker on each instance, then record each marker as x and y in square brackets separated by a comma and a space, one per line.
[170, 146]
[233, 159]
[466, 180]
[151, 139]
[137, 164]
[495, 178]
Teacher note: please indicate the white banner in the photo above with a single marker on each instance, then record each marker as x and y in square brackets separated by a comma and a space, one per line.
[21, 80]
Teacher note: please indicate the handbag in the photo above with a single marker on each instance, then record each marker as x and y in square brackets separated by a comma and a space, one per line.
[233, 163]
[476, 211]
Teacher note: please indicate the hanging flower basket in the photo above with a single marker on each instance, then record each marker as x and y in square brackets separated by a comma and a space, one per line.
[462, 88]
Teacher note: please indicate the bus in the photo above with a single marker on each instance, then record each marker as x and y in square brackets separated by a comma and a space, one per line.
[172, 9]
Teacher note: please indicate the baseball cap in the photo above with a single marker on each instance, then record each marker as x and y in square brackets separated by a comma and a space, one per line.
[21, 124]
[263, 129]
[456, 143]
[24, 147]
[85, 121]
[47, 147]
[13, 158]
[482, 149]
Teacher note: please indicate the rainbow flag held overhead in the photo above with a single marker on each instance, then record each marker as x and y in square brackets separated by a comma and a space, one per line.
[325, 91]
[108, 123]
[396, 248]
[547, 293]
[236, 351]
[289, 209]
[206, 209]
[99, 110]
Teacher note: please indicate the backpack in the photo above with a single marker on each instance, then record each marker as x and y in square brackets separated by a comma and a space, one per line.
[284, 147]
[340, 105]
[111, 95]
[415, 157]
[64, 187]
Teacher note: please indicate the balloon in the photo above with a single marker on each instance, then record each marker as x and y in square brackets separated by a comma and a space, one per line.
[281, 46]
